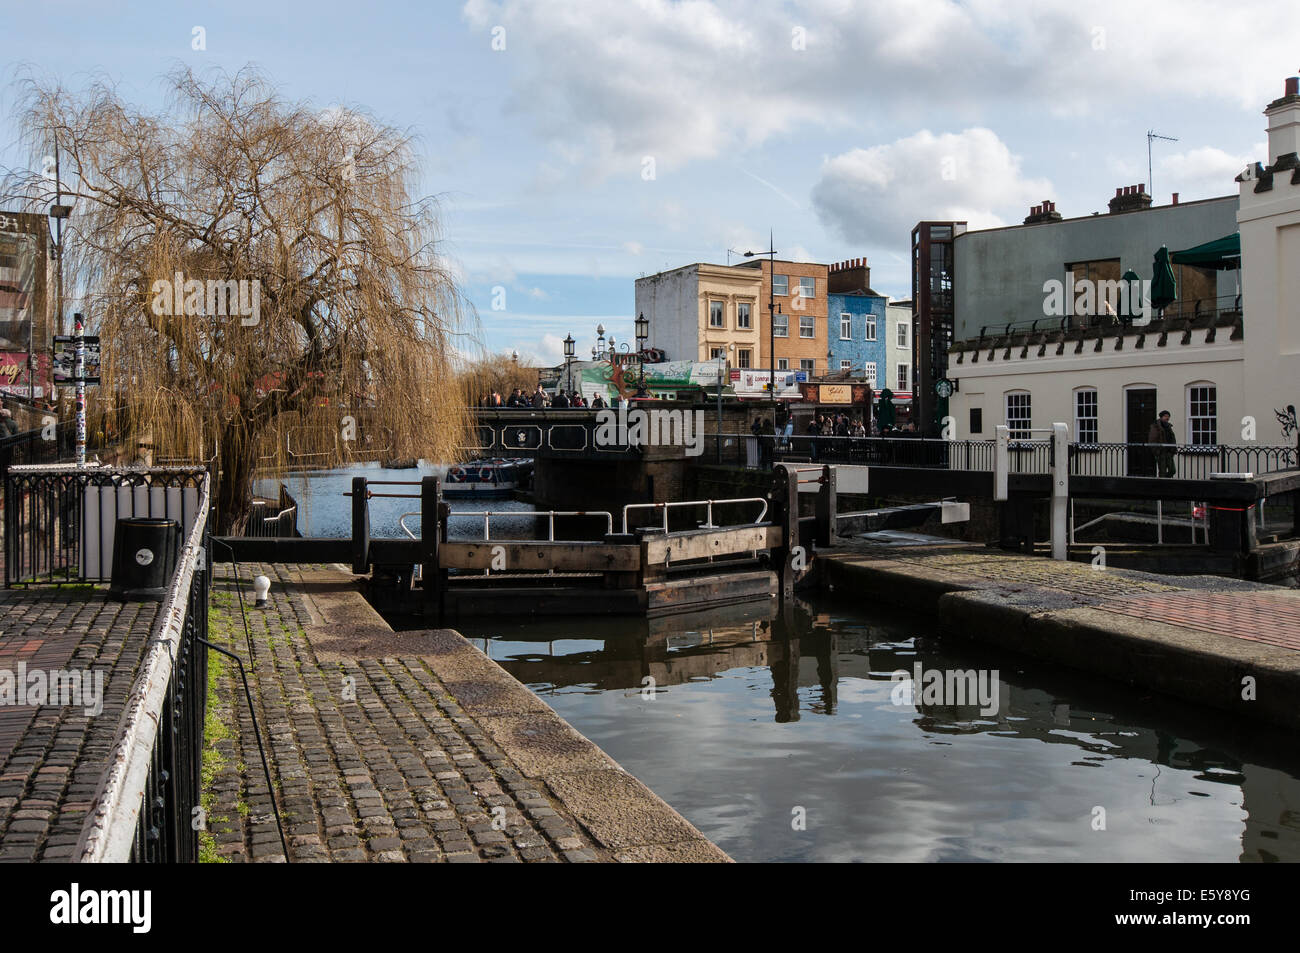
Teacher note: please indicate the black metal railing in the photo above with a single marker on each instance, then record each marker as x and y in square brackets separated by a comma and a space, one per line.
[1026, 456]
[1181, 461]
[59, 520]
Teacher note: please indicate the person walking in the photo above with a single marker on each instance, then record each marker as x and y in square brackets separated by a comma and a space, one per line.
[1162, 434]
[814, 430]
[597, 402]
[539, 397]
[561, 401]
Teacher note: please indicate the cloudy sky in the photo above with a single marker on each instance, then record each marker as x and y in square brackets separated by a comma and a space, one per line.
[577, 144]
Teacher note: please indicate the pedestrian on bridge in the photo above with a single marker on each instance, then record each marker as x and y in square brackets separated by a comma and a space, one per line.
[1162, 433]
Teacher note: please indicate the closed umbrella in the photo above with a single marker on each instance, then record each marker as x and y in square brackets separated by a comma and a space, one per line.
[1131, 306]
[1163, 289]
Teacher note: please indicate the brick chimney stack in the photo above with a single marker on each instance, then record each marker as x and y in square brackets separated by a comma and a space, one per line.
[1043, 213]
[848, 276]
[1130, 198]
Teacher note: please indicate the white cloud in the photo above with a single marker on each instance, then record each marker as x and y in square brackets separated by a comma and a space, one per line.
[874, 195]
[1206, 171]
[609, 82]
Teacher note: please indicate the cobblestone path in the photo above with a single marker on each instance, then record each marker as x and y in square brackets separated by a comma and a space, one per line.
[373, 758]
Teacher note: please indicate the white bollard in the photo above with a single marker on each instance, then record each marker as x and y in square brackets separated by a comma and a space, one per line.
[261, 586]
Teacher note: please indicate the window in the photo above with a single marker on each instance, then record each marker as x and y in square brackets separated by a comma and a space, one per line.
[869, 372]
[903, 335]
[846, 365]
[715, 314]
[846, 326]
[742, 314]
[903, 374]
[742, 357]
[807, 364]
[977, 420]
[806, 326]
[1018, 414]
[871, 327]
[807, 287]
[1085, 415]
[781, 325]
[715, 353]
[780, 284]
[782, 363]
[1202, 415]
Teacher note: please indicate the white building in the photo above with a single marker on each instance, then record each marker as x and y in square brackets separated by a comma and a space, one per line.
[898, 350]
[1220, 368]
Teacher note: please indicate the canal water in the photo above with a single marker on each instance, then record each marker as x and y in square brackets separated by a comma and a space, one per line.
[799, 743]
[797, 739]
[326, 512]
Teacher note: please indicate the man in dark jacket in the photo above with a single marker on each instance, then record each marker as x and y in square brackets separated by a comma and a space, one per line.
[561, 401]
[1162, 433]
[539, 397]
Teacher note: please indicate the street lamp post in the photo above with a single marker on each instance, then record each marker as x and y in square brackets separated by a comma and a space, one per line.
[568, 359]
[771, 319]
[642, 335]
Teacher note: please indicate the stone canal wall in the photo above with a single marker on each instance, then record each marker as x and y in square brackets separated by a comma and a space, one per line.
[1231, 645]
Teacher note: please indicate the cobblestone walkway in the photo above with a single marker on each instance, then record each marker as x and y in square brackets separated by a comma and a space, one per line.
[373, 758]
[53, 757]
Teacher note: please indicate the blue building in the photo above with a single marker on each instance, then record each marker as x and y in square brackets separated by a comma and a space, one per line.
[856, 335]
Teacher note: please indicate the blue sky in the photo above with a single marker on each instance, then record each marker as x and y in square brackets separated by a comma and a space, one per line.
[613, 138]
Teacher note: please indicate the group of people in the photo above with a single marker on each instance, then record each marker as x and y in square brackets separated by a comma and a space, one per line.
[835, 425]
[539, 399]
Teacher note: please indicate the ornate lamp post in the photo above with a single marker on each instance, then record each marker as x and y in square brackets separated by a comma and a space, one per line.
[642, 335]
[568, 359]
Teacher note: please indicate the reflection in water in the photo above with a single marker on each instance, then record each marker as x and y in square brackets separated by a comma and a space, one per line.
[755, 715]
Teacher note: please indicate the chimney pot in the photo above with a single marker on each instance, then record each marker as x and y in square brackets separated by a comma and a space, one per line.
[1118, 192]
[1175, 198]
[1293, 86]
[1142, 188]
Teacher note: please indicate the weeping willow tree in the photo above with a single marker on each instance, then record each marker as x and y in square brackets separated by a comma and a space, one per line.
[265, 281]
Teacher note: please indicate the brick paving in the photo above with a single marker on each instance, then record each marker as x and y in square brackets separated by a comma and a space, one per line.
[53, 758]
[373, 758]
[1254, 616]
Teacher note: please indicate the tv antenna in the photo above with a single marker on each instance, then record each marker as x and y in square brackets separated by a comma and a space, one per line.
[1151, 134]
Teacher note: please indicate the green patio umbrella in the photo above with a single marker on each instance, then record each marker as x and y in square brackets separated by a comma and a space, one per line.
[1222, 254]
[1163, 289]
[886, 413]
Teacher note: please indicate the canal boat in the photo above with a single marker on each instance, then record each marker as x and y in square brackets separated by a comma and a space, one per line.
[493, 479]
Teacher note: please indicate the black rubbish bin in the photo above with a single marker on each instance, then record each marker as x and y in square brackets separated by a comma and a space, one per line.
[144, 558]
